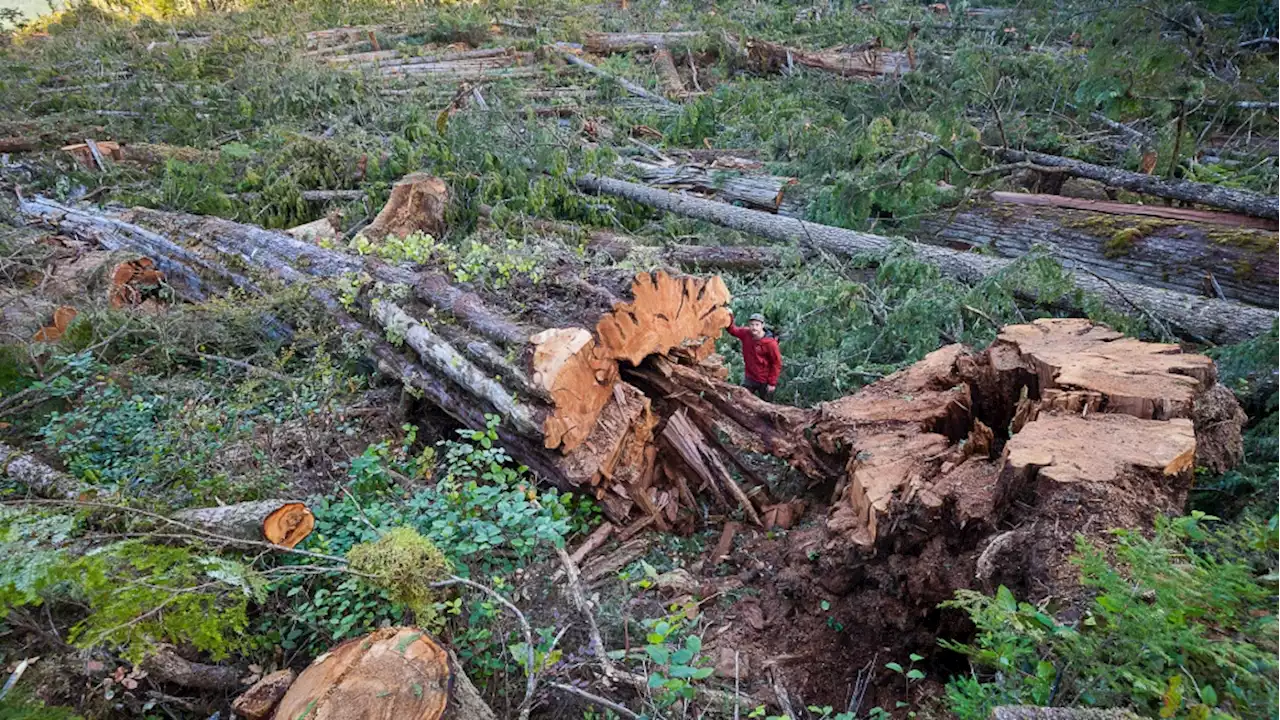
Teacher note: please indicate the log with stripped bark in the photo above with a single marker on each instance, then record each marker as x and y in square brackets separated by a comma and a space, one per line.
[1156, 249]
[765, 192]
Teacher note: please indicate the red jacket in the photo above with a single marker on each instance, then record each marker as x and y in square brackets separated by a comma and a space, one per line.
[762, 358]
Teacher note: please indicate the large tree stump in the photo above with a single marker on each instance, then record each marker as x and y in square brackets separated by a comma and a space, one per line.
[391, 674]
[417, 204]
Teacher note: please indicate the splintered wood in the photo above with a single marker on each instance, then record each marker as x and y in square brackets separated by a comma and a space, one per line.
[668, 313]
[416, 204]
[1108, 425]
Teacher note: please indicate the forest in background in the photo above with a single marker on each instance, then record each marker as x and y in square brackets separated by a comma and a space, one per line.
[200, 380]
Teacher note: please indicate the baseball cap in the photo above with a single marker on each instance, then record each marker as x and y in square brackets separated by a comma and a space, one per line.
[756, 316]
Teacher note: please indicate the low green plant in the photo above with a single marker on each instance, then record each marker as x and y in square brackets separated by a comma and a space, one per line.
[676, 666]
[1179, 626]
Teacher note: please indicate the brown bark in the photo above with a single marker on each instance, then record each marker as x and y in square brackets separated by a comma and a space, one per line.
[168, 666]
[862, 64]
[276, 521]
[1178, 255]
[1195, 317]
[1208, 217]
[1241, 201]
[668, 77]
[391, 674]
[259, 701]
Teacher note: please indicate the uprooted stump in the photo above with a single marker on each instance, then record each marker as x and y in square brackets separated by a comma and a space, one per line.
[396, 673]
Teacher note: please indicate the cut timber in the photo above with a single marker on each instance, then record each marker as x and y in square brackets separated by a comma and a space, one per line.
[863, 64]
[568, 365]
[1084, 368]
[1180, 255]
[759, 191]
[609, 43]
[53, 332]
[1100, 472]
[1241, 201]
[277, 521]
[396, 673]
[417, 204]
[259, 701]
[1215, 320]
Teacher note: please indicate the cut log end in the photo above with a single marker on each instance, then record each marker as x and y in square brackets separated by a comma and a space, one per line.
[288, 525]
[395, 673]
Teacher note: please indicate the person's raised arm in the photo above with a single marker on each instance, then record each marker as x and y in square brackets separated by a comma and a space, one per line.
[739, 332]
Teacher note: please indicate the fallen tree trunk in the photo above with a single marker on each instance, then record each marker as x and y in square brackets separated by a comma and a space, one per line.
[665, 65]
[37, 478]
[622, 82]
[276, 521]
[609, 43]
[166, 665]
[1195, 317]
[759, 191]
[1241, 201]
[866, 64]
[1213, 261]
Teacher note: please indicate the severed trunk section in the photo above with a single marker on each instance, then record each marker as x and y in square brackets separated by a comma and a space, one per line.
[277, 521]
[395, 673]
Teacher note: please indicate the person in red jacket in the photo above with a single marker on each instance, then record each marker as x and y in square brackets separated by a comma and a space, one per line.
[761, 358]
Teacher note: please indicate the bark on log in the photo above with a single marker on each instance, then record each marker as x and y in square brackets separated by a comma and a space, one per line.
[38, 478]
[1198, 318]
[168, 666]
[1183, 256]
[391, 674]
[1208, 217]
[865, 64]
[470, 66]
[609, 43]
[765, 192]
[668, 76]
[276, 521]
[259, 701]
[1241, 201]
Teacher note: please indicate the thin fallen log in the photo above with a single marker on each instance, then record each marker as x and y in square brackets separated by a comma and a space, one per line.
[609, 43]
[279, 522]
[1241, 201]
[1209, 260]
[864, 64]
[760, 191]
[310, 195]
[37, 478]
[621, 82]
[668, 77]
[1198, 318]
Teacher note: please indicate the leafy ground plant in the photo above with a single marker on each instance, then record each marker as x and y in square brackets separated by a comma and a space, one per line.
[1182, 625]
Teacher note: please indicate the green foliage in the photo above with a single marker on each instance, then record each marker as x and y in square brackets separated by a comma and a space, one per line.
[1180, 624]
[484, 517]
[675, 666]
[17, 706]
[837, 334]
